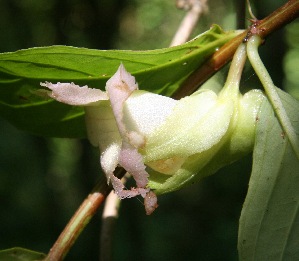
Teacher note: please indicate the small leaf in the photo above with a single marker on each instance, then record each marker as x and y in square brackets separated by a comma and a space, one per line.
[20, 254]
[159, 71]
[269, 223]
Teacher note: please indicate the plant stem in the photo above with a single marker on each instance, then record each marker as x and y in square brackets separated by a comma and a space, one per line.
[270, 89]
[263, 28]
[109, 219]
[237, 66]
[198, 7]
[81, 218]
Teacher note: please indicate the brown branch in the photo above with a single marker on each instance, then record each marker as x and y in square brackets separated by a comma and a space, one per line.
[263, 28]
[81, 218]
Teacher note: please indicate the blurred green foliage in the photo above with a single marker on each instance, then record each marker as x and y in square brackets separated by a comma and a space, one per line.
[43, 181]
[291, 60]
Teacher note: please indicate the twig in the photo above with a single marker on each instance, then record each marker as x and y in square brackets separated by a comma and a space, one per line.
[81, 218]
[250, 10]
[196, 9]
[109, 218]
[265, 27]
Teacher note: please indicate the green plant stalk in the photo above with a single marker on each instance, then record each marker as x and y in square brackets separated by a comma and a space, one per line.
[80, 219]
[279, 18]
[270, 89]
[237, 66]
[88, 208]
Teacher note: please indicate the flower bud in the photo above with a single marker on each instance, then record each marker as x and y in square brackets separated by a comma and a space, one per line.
[225, 134]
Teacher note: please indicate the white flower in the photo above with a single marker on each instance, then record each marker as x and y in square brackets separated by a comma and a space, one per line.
[119, 132]
[170, 142]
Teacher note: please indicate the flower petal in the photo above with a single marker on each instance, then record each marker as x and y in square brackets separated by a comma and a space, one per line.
[150, 202]
[131, 160]
[119, 88]
[73, 94]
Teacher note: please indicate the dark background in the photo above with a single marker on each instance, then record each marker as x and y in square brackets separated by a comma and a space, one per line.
[43, 181]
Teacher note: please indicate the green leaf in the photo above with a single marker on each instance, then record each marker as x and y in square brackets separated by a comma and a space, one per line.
[269, 223]
[160, 71]
[20, 254]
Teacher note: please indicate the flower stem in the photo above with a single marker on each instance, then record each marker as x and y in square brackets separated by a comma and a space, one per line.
[198, 7]
[236, 68]
[270, 89]
[109, 219]
[282, 16]
[80, 219]
[230, 89]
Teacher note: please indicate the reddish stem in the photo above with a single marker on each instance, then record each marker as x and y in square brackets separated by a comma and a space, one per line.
[273, 22]
[80, 219]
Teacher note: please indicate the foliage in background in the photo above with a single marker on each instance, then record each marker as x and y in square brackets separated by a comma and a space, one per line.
[42, 182]
[291, 60]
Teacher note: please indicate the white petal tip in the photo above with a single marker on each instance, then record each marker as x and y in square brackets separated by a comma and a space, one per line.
[73, 94]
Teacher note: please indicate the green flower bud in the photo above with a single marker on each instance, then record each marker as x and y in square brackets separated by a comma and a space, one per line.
[227, 132]
[203, 133]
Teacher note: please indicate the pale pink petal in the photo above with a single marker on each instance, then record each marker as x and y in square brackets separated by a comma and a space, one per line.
[109, 161]
[118, 187]
[131, 160]
[119, 87]
[122, 193]
[73, 94]
[122, 80]
[150, 202]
